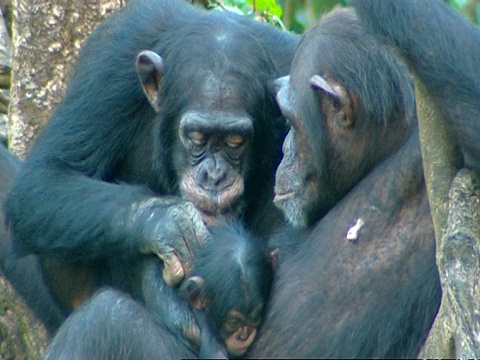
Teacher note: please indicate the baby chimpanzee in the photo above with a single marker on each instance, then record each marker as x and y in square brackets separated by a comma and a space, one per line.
[228, 288]
[218, 307]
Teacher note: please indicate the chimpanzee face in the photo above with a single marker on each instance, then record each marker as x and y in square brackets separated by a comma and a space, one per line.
[349, 105]
[296, 177]
[214, 136]
[239, 330]
[238, 327]
[213, 175]
[322, 149]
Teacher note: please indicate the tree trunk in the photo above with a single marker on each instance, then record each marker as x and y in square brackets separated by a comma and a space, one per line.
[22, 337]
[5, 68]
[455, 206]
[47, 36]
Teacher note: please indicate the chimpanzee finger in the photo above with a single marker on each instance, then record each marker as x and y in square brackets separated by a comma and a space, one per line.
[192, 227]
[173, 271]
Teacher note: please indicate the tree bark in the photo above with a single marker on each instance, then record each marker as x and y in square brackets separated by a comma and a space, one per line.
[456, 328]
[455, 207]
[22, 337]
[47, 36]
[5, 68]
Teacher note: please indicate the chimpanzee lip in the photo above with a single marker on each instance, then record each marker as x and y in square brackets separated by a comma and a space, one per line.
[282, 198]
[212, 202]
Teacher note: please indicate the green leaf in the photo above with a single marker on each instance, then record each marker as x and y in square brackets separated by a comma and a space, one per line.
[269, 6]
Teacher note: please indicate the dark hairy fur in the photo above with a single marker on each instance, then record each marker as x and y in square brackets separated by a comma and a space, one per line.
[97, 155]
[80, 200]
[375, 296]
[235, 269]
[25, 273]
[443, 48]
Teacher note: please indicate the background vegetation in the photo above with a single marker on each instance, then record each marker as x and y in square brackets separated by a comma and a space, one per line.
[299, 15]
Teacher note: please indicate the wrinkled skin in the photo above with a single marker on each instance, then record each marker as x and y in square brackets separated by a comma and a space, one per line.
[214, 181]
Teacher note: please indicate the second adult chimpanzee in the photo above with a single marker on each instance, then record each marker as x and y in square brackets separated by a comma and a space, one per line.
[364, 283]
[219, 306]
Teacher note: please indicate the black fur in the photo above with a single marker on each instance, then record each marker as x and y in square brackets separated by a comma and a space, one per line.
[376, 295]
[443, 48]
[25, 273]
[236, 271]
[76, 200]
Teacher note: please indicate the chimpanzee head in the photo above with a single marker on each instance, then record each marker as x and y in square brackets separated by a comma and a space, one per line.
[344, 119]
[216, 134]
[231, 283]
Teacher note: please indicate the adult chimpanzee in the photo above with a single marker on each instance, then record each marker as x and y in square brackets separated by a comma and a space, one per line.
[24, 274]
[228, 290]
[364, 282]
[92, 200]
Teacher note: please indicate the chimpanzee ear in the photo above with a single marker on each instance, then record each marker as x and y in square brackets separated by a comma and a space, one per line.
[279, 83]
[341, 113]
[319, 83]
[194, 290]
[281, 93]
[150, 71]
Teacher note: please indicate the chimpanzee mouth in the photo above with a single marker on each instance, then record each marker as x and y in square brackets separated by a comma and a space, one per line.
[240, 352]
[284, 196]
[287, 196]
[210, 202]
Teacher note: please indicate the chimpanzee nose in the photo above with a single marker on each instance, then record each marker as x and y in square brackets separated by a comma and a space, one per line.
[212, 174]
[244, 333]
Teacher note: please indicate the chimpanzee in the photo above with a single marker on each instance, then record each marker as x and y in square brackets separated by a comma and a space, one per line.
[169, 121]
[219, 306]
[230, 283]
[24, 274]
[364, 283]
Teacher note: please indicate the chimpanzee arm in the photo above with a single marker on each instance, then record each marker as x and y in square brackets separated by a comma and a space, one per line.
[166, 305]
[444, 49]
[64, 213]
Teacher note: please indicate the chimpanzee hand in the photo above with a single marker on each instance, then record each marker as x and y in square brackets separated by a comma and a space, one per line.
[173, 229]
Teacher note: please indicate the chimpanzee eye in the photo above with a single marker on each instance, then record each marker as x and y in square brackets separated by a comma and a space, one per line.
[256, 321]
[197, 138]
[233, 325]
[234, 140]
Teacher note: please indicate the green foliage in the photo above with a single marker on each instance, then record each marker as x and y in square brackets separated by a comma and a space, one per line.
[300, 15]
[241, 5]
[267, 6]
[263, 10]
[469, 8]
[458, 4]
